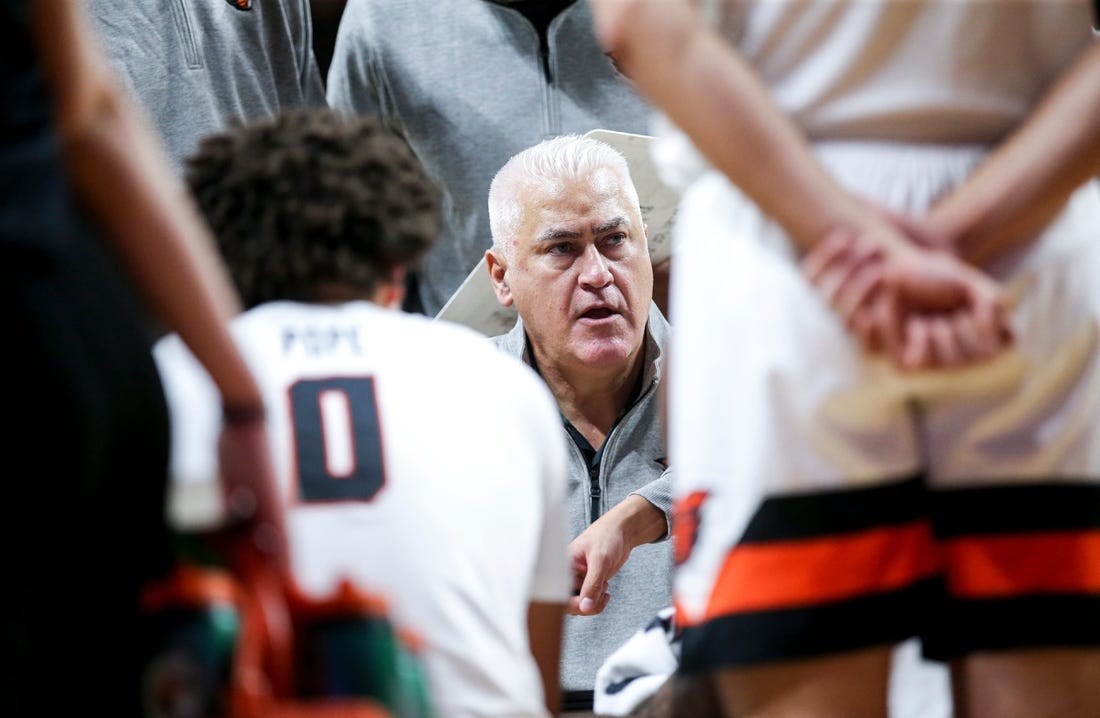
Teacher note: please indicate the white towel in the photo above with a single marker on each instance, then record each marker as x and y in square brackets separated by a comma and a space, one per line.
[635, 670]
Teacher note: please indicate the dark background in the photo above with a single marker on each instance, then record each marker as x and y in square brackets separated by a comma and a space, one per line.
[326, 18]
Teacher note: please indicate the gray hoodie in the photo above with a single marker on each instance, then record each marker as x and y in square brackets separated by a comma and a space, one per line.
[468, 85]
[633, 462]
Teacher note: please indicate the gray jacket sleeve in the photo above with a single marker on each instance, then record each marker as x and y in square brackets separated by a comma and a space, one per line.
[659, 493]
[313, 87]
[352, 76]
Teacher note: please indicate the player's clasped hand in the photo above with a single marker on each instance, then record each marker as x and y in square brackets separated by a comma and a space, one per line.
[923, 307]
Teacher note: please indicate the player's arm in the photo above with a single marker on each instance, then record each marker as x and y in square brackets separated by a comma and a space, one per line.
[709, 91]
[123, 176]
[550, 586]
[1023, 184]
[706, 88]
[544, 629]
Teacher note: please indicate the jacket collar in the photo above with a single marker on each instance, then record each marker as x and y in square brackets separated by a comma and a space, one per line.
[656, 339]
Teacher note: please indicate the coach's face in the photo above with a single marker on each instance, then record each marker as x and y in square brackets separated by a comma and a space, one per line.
[580, 273]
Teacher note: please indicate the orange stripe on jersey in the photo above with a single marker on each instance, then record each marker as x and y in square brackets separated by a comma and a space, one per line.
[797, 573]
[1004, 566]
[685, 525]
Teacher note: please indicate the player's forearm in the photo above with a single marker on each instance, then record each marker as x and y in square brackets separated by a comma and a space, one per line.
[1026, 181]
[544, 629]
[161, 239]
[706, 89]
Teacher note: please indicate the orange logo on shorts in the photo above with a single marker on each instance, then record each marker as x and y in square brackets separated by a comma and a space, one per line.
[241, 4]
[685, 525]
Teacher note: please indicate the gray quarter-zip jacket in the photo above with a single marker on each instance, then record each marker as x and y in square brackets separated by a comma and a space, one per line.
[194, 65]
[468, 84]
[633, 462]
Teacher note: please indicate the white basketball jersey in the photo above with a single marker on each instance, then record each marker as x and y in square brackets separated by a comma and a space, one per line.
[907, 70]
[415, 459]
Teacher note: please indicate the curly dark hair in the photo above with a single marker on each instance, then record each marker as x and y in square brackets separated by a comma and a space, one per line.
[312, 199]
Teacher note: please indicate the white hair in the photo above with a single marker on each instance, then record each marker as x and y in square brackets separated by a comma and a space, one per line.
[547, 165]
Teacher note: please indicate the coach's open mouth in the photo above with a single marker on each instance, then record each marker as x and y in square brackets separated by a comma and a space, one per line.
[598, 313]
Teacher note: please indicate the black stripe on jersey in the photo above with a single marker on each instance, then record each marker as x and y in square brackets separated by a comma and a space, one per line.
[1012, 509]
[822, 513]
[1025, 622]
[768, 636]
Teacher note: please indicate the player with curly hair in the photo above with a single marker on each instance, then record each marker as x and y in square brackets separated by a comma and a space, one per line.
[380, 418]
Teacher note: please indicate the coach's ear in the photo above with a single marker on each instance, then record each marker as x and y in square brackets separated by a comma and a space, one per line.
[498, 275]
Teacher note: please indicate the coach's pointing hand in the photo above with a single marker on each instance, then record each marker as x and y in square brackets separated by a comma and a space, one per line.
[602, 549]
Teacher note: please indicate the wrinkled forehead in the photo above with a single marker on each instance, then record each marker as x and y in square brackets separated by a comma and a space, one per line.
[595, 198]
